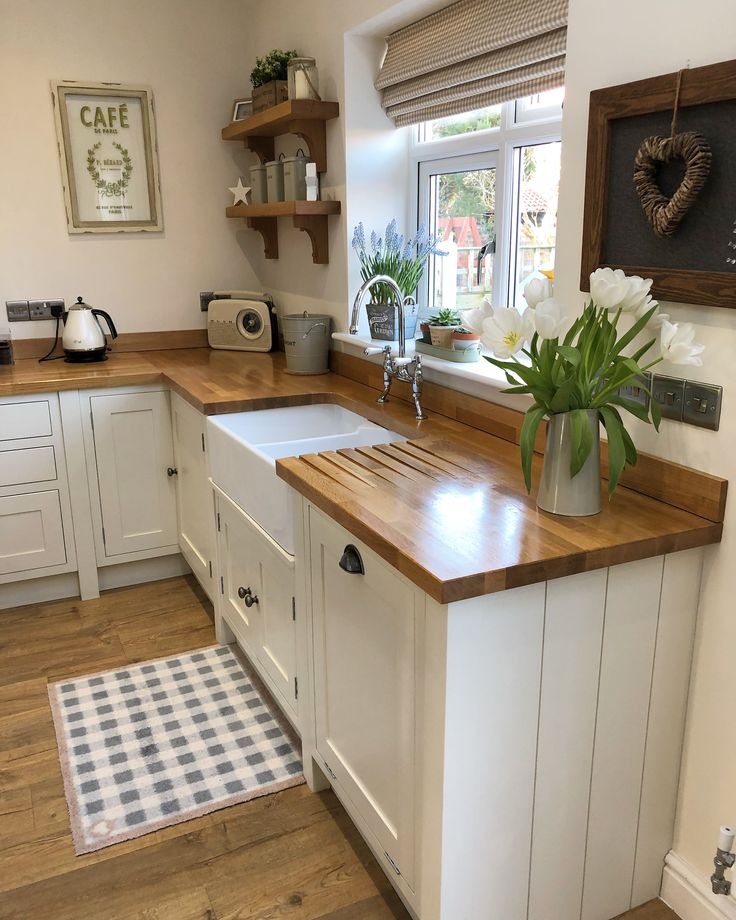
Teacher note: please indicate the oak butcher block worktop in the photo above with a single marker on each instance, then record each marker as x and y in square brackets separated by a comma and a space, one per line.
[448, 508]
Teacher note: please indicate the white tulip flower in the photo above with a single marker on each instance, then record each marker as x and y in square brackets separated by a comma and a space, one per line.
[637, 295]
[474, 319]
[609, 288]
[506, 332]
[676, 343]
[537, 290]
[549, 319]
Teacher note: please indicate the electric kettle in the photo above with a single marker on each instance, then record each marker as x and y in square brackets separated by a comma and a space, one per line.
[83, 338]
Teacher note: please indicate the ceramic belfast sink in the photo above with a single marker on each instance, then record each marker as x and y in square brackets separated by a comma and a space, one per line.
[244, 447]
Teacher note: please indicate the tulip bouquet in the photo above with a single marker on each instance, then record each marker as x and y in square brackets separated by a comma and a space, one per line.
[574, 366]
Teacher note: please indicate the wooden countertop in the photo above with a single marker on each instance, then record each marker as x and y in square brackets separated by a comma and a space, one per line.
[448, 509]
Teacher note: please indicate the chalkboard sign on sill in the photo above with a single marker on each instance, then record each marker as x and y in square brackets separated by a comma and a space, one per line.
[692, 265]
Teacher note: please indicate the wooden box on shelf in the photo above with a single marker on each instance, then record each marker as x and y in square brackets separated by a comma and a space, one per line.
[269, 94]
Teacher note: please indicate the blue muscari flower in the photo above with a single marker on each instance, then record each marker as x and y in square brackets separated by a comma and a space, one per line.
[359, 238]
[408, 252]
[399, 244]
[374, 240]
[390, 235]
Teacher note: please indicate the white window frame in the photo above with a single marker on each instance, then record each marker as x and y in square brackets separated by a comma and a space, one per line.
[481, 149]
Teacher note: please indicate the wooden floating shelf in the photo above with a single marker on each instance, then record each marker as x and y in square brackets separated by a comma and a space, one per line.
[310, 216]
[304, 117]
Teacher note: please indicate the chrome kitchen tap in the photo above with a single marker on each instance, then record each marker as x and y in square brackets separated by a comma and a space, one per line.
[402, 368]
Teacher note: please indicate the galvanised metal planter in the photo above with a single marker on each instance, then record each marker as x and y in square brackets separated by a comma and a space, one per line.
[560, 493]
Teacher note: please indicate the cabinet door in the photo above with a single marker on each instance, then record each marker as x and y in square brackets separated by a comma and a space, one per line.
[254, 568]
[364, 663]
[133, 449]
[31, 532]
[194, 499]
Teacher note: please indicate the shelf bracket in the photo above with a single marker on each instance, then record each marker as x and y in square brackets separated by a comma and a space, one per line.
[268, 228]
[314, 134]
[315, 225]
[263, 147]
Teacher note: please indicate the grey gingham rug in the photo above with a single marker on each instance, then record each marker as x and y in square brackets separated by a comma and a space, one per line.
[162, 742]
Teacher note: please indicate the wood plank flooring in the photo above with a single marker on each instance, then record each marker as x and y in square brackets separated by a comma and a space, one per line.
[293, 854]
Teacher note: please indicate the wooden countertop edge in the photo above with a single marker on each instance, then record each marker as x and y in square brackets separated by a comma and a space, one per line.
[490, 582]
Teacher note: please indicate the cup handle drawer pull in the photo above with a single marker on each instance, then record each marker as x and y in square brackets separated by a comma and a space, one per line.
[246, 595]
[351, 561]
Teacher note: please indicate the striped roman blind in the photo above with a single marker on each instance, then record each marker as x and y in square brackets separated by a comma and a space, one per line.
[472, 54]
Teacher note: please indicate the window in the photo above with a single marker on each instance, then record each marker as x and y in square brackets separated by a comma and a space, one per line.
[488, 187]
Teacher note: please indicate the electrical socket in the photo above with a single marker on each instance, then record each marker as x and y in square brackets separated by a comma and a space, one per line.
[636, 391]
[56, 307]
[702, 405]
[670, 395]
[17, 310]
[39, 309]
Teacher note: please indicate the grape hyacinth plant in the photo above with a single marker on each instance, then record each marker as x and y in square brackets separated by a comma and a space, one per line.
[575, 365]
[391, 255]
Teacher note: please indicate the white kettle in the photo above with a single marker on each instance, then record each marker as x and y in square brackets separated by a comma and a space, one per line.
[83, 338]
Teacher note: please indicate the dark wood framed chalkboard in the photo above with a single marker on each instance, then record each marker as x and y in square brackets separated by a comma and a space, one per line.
[692, 265]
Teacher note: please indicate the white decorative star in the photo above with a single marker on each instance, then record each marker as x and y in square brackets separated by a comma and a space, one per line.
[240, 192]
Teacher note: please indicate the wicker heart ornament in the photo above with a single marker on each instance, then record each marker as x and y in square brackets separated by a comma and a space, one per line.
[663, 213]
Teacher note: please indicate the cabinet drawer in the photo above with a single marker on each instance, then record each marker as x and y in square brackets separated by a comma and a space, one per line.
[31, 532]
[29, 464]
[25, 420]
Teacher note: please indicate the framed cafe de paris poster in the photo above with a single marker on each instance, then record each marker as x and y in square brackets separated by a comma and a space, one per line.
[109, 156]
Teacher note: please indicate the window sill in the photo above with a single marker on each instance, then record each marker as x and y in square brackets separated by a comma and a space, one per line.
[480, 379]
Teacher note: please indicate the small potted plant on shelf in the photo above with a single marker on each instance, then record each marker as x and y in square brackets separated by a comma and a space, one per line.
[402, 261]
[269, 79]
[442, 327]
[464, 339]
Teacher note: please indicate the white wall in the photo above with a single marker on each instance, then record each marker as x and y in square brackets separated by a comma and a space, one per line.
[191, 53]
[611, 43]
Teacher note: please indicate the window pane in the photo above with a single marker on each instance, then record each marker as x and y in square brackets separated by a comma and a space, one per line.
[552, 97]
[535, 214]
[540, 106]
[467, 123]
[462, 213]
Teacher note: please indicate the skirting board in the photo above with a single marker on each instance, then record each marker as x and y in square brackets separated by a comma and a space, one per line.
[57, 587]
[687, 891]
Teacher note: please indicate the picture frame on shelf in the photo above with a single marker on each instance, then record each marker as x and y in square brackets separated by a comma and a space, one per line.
[242, 109]
[108, 155]
[697, 263]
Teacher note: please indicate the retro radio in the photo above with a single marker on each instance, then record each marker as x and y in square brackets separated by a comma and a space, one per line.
[241, 321]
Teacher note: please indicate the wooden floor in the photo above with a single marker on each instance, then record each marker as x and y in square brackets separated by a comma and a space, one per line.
[293, 854]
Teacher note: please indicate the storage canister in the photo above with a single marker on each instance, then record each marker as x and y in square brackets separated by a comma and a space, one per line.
[306, 342]
[303, 78]
[258, 194]
[295, 177]
[275, 180]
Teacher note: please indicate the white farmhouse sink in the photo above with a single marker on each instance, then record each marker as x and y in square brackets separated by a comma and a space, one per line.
[244, 447]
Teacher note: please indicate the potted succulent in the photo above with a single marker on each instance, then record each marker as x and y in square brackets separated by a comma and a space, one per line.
[464, 339]
[574, 368]
[269, 79]
[443, 325]
[404, 262]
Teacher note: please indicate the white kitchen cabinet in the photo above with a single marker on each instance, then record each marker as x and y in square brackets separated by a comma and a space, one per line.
[365, 685]
[31, 532]
[256, 601]
[36, 532]
[194, 494]
[514, 755]
[132, 451]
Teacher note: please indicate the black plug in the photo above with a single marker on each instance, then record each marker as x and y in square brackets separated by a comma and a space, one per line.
[56, 307]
